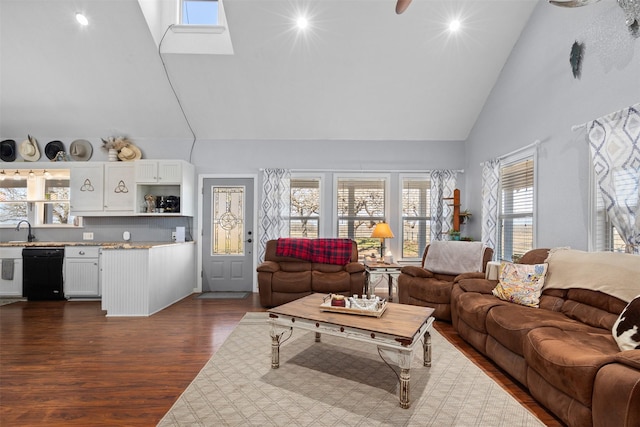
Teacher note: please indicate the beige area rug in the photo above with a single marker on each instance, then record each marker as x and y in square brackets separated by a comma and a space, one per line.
[337, 382]
[10, 300]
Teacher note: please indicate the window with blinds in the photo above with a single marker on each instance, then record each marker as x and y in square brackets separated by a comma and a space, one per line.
[360, 206]
[416, 216]
[516, 209]
[304, 220]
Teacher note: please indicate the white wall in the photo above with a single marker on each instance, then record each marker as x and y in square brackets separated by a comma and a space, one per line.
[248, 157]
[537, 98]
[234, 156]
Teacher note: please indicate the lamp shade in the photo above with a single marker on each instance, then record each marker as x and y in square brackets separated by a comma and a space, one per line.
[382, 231]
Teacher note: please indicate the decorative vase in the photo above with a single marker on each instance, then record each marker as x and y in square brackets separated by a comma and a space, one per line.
[113, 155]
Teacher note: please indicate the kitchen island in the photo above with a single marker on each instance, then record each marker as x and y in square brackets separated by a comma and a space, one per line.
[139, 280]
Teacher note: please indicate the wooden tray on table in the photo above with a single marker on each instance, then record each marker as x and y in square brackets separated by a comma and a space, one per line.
[326, 306]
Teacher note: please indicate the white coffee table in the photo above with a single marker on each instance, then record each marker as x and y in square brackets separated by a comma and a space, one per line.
[396, 333]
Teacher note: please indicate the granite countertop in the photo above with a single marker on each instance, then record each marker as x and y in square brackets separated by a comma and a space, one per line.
[104, 245]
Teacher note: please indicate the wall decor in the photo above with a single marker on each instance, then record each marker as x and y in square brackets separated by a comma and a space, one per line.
[575, 59]
[631, 9]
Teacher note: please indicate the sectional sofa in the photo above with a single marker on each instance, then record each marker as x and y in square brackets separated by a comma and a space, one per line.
[565, 349]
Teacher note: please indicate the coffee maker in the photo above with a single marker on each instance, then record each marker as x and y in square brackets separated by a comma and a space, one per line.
[172, 204]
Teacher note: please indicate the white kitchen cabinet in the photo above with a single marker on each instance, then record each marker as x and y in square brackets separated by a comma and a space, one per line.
[86, 185]
[119, 187]
[82, 271]
[165, 178]
[11, 285]
[159, 171]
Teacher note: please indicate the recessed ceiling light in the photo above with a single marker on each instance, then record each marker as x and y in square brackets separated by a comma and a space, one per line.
[454, 25]
[302, 22]
[82, 20]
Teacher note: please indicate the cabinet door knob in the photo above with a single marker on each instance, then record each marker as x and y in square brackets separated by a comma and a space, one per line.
[81, 252]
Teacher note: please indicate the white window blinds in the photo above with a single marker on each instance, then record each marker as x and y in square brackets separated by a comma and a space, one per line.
[516, 209]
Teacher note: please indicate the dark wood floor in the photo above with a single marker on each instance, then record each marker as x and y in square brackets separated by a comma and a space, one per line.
[66, 364]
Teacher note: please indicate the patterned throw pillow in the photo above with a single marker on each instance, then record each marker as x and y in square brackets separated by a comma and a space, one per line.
[520, 283]
[626, 330]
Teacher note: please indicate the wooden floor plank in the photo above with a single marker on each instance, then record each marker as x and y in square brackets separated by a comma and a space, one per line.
[66, 364]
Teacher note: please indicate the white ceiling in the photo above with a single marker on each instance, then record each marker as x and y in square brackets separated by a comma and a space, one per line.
[361, 72]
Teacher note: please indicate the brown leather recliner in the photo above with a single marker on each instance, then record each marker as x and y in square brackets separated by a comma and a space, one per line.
[284, 279]
[419, 286]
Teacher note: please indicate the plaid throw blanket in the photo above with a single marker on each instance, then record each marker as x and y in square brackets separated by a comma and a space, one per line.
[324, 251]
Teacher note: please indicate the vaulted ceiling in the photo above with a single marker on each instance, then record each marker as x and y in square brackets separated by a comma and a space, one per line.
[360, 72]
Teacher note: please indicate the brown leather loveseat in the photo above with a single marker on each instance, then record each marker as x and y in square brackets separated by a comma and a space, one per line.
[562, 351]
[282, 279]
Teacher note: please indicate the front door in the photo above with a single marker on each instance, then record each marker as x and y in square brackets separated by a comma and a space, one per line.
[227, 235]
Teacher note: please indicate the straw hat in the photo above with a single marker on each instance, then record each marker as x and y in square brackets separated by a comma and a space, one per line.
[81, 150]
[29, 149]
[129, 153]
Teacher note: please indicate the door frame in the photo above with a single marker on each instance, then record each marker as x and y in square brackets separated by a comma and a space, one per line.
[201, 178]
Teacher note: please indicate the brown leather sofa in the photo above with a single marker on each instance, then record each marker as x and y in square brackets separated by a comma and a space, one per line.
[419, 286]
[284, 279]
[563, 352]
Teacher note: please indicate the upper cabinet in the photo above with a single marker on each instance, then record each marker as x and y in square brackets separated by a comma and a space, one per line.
[120, 188]
[103, 189]
[86, 189]
[159, 171]
[169, 185]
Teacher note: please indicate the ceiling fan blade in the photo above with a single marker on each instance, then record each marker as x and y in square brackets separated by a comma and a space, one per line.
[402, 5]
[572, 3]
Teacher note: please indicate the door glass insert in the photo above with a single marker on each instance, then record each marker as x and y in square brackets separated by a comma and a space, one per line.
[227, 228]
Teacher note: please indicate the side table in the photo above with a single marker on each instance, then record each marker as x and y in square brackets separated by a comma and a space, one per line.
[376, 271]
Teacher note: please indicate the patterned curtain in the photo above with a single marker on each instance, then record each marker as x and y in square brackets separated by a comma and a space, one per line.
[274, 208]
[443, 182]
[490, 193]
[615, 150]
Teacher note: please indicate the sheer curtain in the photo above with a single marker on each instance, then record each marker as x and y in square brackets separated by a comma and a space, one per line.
[274, 208]
[615, 150]
[443, 182]
[490, 194]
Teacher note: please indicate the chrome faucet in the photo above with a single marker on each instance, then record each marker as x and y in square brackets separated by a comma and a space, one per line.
[30, 237]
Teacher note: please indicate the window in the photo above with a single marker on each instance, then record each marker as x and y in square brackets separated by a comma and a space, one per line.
[38, 196]
[304, 220]
[416, 216]
[199, 12]
[604, 236]
[515, 217]
[361, 203]
[13, 201]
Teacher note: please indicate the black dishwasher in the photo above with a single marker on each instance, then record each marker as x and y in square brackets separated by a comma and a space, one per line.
[42, 273]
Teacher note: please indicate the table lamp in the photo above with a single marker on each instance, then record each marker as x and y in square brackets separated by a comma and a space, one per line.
[382, 231]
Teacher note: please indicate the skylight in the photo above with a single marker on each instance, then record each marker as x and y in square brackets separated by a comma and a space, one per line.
[199, 12]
